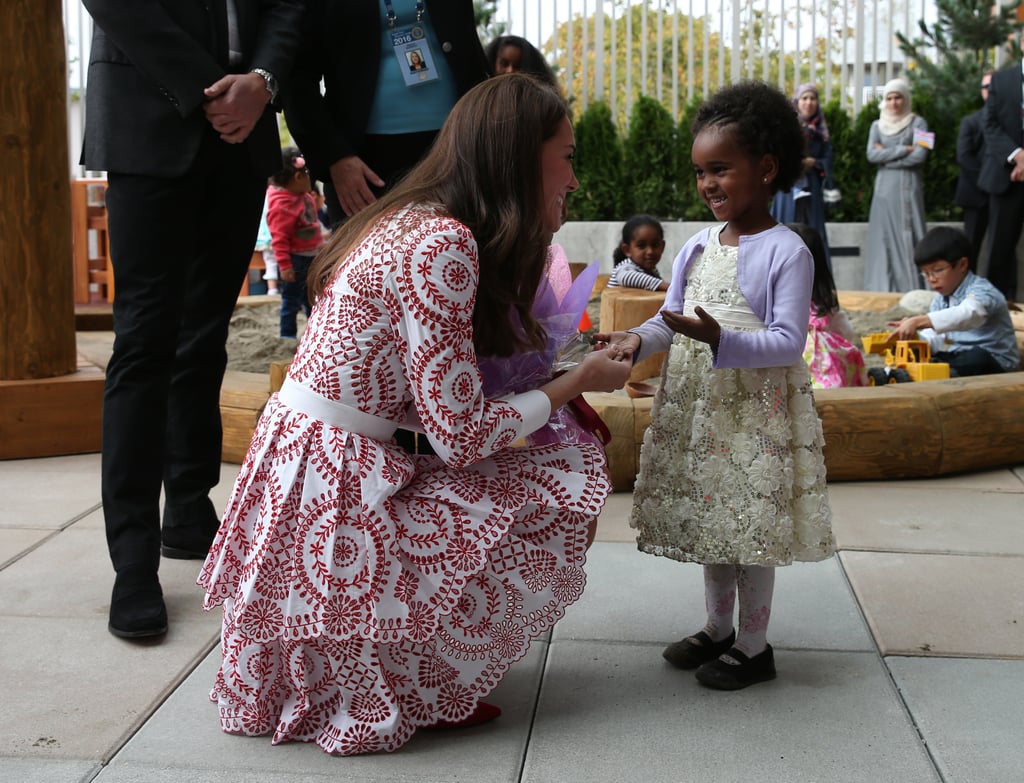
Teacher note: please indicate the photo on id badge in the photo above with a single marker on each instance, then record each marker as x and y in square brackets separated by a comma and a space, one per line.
[414, 55]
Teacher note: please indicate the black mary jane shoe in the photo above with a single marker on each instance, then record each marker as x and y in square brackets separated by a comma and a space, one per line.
[137, 607]
[734, 670]
[691, 652]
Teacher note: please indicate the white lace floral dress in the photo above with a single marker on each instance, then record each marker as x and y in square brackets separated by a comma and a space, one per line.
[367, 592]
[731, 467]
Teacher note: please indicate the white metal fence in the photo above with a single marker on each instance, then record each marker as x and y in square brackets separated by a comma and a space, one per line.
[691, 47]
[615, 50]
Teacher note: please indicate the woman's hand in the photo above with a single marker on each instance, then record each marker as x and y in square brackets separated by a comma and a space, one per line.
[703, 327]
[599, 371]
[603, 370]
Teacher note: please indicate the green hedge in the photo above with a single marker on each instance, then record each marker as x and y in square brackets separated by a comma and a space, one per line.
[648, 168]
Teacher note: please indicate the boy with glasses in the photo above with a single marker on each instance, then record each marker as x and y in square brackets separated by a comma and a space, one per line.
[969, 324]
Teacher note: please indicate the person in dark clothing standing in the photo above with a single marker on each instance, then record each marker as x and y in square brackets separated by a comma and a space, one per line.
[1002, 176]
[970, 145]
[179, 114]
[375, 119]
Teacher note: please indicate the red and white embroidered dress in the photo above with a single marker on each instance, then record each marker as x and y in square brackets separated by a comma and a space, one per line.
[367, 592]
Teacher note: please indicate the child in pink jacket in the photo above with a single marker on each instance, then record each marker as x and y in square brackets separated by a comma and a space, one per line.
[295, 235]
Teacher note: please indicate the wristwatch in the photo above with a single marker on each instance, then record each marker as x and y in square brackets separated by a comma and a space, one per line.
[270, 80]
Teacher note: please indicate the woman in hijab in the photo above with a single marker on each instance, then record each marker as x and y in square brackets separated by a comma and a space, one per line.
[805, 202]
[896, 221]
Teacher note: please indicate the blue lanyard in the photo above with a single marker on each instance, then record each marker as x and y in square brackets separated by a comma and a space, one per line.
[393, 17]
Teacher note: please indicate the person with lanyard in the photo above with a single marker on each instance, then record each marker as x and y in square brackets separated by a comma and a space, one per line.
[376, 116]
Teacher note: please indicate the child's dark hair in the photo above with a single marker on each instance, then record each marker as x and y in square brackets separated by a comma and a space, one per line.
[629, 229]
[943, 243]
[293, 161]
[823, 292]
[531, 61]
[764, 122]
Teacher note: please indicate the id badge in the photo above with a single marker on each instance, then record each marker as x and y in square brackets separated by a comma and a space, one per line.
[415, 60]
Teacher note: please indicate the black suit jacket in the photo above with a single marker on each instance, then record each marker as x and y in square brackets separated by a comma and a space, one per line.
[1004, 131]
[151, 60]
[970, 145]
[341, 45]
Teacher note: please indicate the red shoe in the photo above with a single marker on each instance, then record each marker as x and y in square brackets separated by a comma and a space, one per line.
[483, 713]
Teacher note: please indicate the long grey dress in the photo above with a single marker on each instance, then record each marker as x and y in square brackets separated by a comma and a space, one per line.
[896, 221]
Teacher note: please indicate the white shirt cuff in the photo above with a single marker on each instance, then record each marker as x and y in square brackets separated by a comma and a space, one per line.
[535, 408]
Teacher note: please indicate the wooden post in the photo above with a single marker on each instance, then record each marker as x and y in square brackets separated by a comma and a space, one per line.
[37, 318]
[48, 404]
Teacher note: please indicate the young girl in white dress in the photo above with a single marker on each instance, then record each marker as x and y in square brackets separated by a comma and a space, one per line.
[731, 469]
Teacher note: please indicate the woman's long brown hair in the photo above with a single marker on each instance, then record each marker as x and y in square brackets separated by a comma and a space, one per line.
[484, 170]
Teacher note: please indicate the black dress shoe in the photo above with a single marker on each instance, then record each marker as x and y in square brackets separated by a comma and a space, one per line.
[691, 652]
[189, 542]
[137, 605]
[188, 530]
[734, 670]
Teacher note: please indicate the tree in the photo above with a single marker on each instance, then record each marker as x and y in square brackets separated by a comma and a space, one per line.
[598, 166]
[965, 35]
[486, 27]
[689, 204]
[650, 159]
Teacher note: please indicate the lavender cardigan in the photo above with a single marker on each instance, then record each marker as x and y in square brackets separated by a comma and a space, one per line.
[775, 272]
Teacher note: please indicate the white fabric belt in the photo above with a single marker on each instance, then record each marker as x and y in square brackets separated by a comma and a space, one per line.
[731, 316]
[336, 414]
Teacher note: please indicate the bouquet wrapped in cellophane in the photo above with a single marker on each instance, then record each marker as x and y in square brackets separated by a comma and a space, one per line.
[558, 307]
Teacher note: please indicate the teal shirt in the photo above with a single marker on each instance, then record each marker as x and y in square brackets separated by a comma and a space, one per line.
[401, 109]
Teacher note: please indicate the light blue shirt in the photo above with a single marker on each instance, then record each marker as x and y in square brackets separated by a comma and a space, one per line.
[994, 335]
[401, 109]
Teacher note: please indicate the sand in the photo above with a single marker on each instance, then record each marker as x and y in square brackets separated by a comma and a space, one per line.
[253, 341]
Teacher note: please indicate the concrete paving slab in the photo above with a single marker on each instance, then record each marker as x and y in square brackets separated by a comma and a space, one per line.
[613, 524]
[633, 597]
[912, 518]
[609, 713]
[48, 492]
[26, 771]
[941, 605]
[968, 712]
[14, 542]
[70, 576]
[74, 692]
[184, 739]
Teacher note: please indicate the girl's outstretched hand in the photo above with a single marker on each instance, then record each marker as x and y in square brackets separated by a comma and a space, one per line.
[703, 327]
[620, 345]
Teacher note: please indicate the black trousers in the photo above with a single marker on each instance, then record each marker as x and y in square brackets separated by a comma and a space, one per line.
[975, 226]
[1006, 219]
[970, 361]
[180, 249]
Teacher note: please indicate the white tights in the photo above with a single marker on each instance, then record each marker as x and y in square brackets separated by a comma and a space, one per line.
[756, 584]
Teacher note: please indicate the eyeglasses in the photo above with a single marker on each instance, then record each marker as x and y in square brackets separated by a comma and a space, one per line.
[984, 85]
[935, 272]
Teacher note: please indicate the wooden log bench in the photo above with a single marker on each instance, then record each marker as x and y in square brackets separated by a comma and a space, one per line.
[898, 431]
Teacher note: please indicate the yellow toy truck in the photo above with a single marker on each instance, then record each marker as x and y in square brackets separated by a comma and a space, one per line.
[911, 360]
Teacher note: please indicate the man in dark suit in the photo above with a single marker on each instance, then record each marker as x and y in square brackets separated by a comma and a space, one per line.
[970, 145]
[364, 130]
[178, 113]
[1002, 176]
